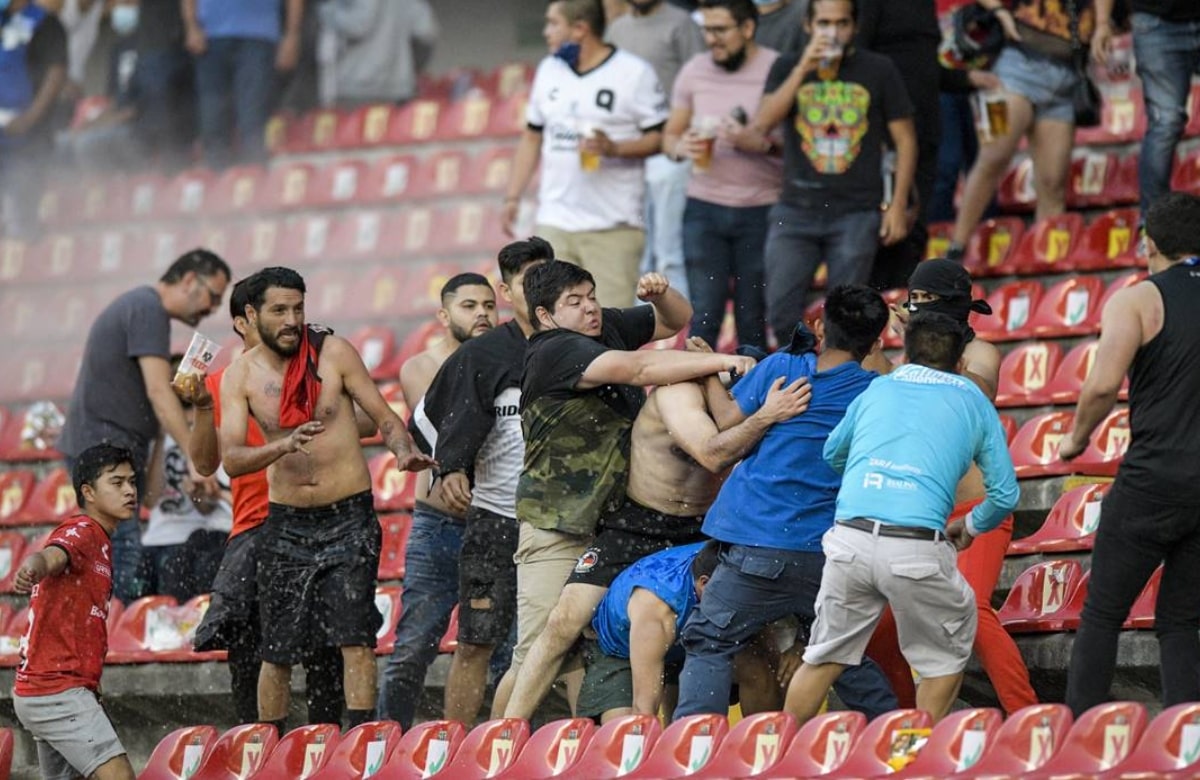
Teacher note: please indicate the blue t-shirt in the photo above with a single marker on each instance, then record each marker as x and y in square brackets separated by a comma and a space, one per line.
[908, 440]
[666, 574]
[783, 493]
[258, 19]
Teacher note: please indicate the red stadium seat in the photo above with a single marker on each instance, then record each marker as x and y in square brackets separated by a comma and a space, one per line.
[1016, 192]
[441, 175]
[154, 628]
[1025, 372]
[141, 194]
[753, 748]
[361, 752]
[376, 345]
[236, 191]
[507, 118]
[338, 183]
[12, 547]
[870, 754]
[184, 197]
[465, 119]
[363, 127]
[1125, 184]
[1090, 182]
[35, 544]
[1072, 371]
[389, 600]
[415, 123]
[1141, 614]
[256, 244]
[424, 751]
[16, 487]
[1070, 526]
[1048, 245]
[940, 235]
[390, 179]
[60, 204]
[53, 259]
[394, 490]
[395, 544]
[316, 131]
[1035, 449]
[449, 640]
[618, 747]
[1186, 173]
[239, 753]
[100, 199]
[1012, 304]
[553, 749]
[417, 232]
[6, 752]
[52, 500]
[489, 749]
[822, 745]
[1107, 447]
[1122, 119]
[1026, 741]
[684, 748]
[992, 247]
[1099, 741]
[10, 637]
[1069, 308]
[1043, 599]
[287, 187]
[276, 133]
[1170, 745]
[306, 241]
[180, 754]
[1110, 241]
[957, 743]
[506, 80]
[358, 237]
[13, 256]
[301, 753]
[488, 172]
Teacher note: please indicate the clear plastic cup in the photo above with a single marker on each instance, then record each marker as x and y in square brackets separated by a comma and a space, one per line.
[199, 357]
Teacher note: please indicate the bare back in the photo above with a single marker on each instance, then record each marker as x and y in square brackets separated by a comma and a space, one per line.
[416, 375]
[661, 475]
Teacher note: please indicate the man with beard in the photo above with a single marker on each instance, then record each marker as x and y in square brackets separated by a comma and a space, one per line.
[316, 572]
[725, 220]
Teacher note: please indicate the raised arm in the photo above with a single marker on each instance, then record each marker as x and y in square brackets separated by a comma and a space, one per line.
[235, 418]
[651, 634]
[672, 311]
[657, 367]
[203, 446]
[44, 563]
[999, 480]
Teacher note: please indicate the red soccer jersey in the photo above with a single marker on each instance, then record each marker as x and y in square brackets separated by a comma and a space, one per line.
[67, 638]
[250, 492]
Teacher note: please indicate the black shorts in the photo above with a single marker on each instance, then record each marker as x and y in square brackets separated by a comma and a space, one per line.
[316, 578]
[487, 575]
[233, 611]
[627, 535]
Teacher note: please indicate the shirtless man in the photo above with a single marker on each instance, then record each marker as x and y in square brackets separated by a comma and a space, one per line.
[321, 542]
[431, 558]
[678, 459]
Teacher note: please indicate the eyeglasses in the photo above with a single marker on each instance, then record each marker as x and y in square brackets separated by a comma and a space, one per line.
[719, 31]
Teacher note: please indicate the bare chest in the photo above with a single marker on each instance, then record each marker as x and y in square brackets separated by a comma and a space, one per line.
[265, 393]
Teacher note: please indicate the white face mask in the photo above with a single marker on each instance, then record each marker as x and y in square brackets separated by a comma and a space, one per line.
[124, 19]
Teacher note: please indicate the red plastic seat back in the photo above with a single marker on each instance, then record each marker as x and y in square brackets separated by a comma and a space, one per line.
[957, 743]
[1141, 614]
[992, 247]
[395, 491]
[1110, 241]
[552, 750]
[52, 501]
[449, 641]
[940, 234]
[871, 752]
[1072, 371]
[1090, 181]
[1013, 305]
[146, 628]
[1070, 526]
[301, 753]
[1048, 246]
[822, 745]
[1069, 308]
[1025, 372]
[1101, 738]
[1034, 450]
[12, 549]
[376, 345]
[1171, 742]
[1039, 594]
[361, 752]
[237, 191]
[239, 753]
[1026, 741]
[180, 754]
[685, 748]
[16, 488]
[754, 746]
[395, 545]
[425, 750]
[618, 747]
[1107, 446]
[489, 749]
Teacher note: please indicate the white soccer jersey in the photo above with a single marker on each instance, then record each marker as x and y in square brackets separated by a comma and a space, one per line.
[501, 458]
[621, 97]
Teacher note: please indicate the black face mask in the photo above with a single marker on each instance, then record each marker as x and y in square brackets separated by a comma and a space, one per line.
[957, 308]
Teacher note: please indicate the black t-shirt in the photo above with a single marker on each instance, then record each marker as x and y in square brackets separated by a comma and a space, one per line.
[47, 48]
[1171, 10]
[835, 131]
[122, 64]
[882, 23]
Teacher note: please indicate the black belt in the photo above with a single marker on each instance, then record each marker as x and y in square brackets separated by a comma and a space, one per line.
[901, 531]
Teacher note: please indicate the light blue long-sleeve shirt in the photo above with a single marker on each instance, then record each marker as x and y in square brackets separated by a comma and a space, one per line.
[907, 441]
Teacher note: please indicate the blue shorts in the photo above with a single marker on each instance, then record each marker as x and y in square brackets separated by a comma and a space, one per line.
[1045, 82]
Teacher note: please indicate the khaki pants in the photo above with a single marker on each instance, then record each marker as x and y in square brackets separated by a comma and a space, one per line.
[544, 561]
[612, 256]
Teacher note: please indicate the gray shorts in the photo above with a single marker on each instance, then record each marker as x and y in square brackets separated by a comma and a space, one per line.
[1045, 82]
[74, 736]
[934, 606]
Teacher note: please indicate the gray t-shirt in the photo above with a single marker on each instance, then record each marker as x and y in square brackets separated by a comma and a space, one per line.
[783, 29]
[666, 39]
[109, 403]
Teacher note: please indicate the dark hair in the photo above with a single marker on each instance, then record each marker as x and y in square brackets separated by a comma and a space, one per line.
[545, 283]
[705, 562]
[590, 12]
[468, 279]
[239, 299]
[740, 10]
[934, 340]
[515, 256]
[1171, 221]
[258, 283]
[199, 261]
[93, 462]
[854, 317]
[811, 12]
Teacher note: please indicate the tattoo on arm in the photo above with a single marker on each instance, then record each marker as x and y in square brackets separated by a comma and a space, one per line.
[273, 389]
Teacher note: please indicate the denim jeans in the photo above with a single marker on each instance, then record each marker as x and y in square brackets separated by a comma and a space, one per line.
[430, 593]
[166, 119]
[723, 246]
[798, 241]
[666, 193]
[1167, 54]
[1138, 532]
[752, 587]
[237, 74]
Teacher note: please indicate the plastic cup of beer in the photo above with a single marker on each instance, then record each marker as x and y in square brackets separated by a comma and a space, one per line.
[991, 109]
[827, 68]
[589, 161]
[705, 129]
[197, 360]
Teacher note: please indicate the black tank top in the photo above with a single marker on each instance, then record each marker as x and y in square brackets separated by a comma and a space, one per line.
[1164, 396]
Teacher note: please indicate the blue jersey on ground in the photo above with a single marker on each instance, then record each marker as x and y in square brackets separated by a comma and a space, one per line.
[666, 574]
[783, 493]
[908, 440]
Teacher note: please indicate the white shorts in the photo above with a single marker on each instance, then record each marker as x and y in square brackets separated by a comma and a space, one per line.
[74, 735]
